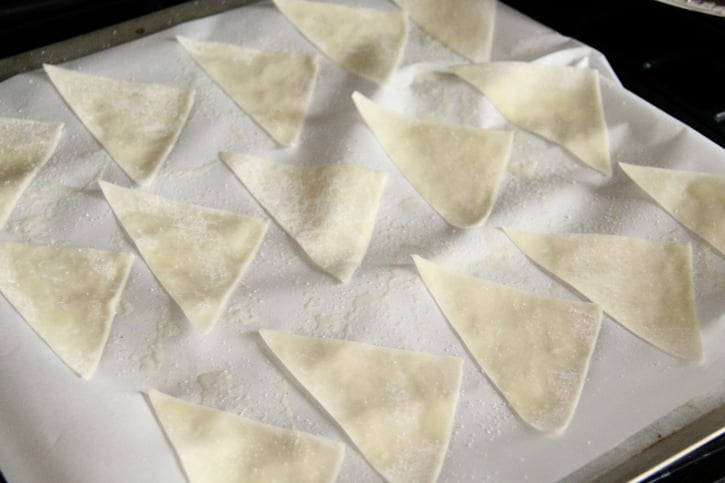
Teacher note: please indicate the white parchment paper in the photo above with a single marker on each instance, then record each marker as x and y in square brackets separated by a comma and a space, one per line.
[56, 427]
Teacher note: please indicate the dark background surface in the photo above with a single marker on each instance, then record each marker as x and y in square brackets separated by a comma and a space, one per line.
[29, 24]
[671, 57]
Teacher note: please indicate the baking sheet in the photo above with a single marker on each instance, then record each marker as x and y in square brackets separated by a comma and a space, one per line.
[56, 427]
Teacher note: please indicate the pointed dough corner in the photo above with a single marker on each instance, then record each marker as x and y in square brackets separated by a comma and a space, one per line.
[536, 350]
[154, 395]
[109, 189]
[626, 167]
[217, 247]
[633, 171]
[183, 40]
[357, 98]
[457, 169]
[645, 286]
[418, 260]
[51, 70]
[215, 446]
[226, 156]
[361, 386]
[515, 235]
[272, 337]
[366, 42]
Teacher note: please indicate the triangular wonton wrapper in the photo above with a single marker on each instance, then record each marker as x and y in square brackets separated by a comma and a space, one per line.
[25, 147]
[646, 286]
[328, 209]
[457, 169]
[465, 26]
[562, 104]
[138, 124]
[535, 349]
[67, 295]
[364, 41]
[397, 406]
[274, 88]
[214, 446]
[198, 254]
[697, 200]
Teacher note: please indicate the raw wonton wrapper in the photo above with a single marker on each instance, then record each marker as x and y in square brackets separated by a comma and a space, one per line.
[67, 295]
[198, 254]
[697, 200]
[396, 406]
[465, 26]
[220, 447]
[457, 169]
[138, 124]
[535, 349]
[364, 41]
[274, 88]
[646, 286]
[562, 104]
[328, 209]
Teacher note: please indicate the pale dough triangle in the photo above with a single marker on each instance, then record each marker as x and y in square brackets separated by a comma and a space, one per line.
[274, 88]
[219, 447]
[697, 200]
[328, 209]
[535, 349]
[397, 406]
[198, 254]
[646, 286]
[562, 104]
[25, 147]
[138, 124]
[364, 41]
[67, 295]
[465, 26]
[457, 169]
